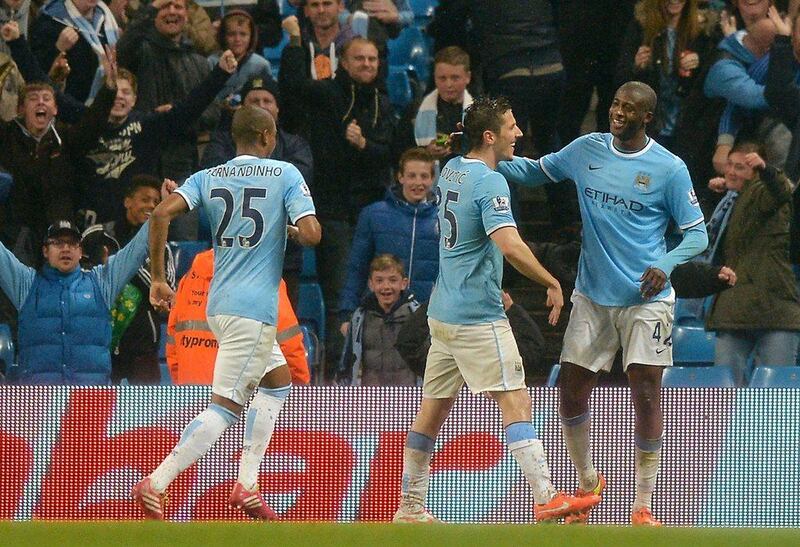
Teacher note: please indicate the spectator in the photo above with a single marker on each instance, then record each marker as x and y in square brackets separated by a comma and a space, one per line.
[405, 225]
[167, 68]
[262, 91]
[747, 12]
[40, 154]
[64, 325]
[323, 38]
[350, 140]
[430, 122]
[729, 78]
[665, 48]
[80, 29]
[237, 32]
[17, 11]
[697, 279]
[192, 347]
[760, 316]
[267, 17]
[136, 357]
[414, 340]
[11, 83]
[199, 30]
[369, 357]
[385, 19]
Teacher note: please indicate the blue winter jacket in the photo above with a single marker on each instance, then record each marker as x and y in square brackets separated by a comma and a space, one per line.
[728, 77]
[64, 319]
[394, 226]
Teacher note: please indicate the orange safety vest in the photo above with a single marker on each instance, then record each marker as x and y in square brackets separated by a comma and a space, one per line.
[191, 346]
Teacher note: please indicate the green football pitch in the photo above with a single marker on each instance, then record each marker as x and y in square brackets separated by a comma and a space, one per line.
[43, 534]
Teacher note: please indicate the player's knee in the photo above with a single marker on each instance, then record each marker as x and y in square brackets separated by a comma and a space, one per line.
[279, 393]
[229, 416]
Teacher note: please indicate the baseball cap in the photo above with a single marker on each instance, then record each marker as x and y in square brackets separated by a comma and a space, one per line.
[94, 239]
[61, 227]
[262, 81]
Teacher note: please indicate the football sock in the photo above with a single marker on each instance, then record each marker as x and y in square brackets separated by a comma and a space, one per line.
[648, 456]
[416, 468]
[529, 454]
[576, 437]
[196, 439]
[260, 423]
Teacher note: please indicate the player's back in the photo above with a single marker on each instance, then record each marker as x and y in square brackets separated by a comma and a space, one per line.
[474, 202]
[248, 202]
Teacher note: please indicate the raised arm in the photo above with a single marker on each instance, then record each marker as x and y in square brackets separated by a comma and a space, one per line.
[524, 171]
[161, 295]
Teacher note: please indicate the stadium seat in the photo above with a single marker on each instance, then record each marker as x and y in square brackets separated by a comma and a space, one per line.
[286, 8]
[692, 346]
[714, 376]
[184, 253]
[6, 182]
[689, 312]
[424, 8]
[313, 351]
[400, 91]
[775, 377]
[309, 267]
[7, 355]
[411, 51]
[273, 55]
[552, 378]
[311, 308]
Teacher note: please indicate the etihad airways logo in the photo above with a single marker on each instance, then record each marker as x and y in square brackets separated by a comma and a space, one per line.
[604, 200]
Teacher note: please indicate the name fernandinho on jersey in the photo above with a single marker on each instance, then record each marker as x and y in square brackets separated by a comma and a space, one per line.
[451, 175]
[247, 170]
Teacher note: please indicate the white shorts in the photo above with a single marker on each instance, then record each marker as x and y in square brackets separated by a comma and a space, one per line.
[595, 333]
[247, 351]
[485, 356]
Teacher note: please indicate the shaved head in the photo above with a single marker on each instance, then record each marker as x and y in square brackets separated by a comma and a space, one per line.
[643, 94]
[249, 123]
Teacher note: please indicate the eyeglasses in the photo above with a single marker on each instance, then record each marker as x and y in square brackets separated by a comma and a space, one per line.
[61, 243]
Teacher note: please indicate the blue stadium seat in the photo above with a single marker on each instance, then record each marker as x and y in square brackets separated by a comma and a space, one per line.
[692, 345]
[714, 376]
[689, 312]
[311, 308]
[411, 50]
[552, 378]
[273, 55]
[7, 354]
[286, 8]
[313, 350]
[184, 253]
[6, 182]
[400, 91]
[309, 267]
[788, 376]
[423, 8]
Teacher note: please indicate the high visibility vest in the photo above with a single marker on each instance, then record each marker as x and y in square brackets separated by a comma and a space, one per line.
[191, 346]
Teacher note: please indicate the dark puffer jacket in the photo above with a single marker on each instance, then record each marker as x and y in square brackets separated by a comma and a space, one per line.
[409, 232]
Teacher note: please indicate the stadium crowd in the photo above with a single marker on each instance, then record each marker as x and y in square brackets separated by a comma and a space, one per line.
[103, 106]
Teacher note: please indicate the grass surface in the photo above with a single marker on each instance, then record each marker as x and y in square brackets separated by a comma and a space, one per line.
[324, 534]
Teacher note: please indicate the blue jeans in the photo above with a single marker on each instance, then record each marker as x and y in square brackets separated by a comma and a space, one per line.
[745, 349]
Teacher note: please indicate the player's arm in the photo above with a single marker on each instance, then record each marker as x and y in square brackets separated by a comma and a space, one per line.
[521, 257]
[160, 292]
[524, 171]
[308, 232]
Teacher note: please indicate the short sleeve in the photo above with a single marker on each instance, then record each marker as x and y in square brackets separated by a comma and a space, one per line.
[297, 196]
[494, 201]
[561, 165]
[192, 189]
[681, 200]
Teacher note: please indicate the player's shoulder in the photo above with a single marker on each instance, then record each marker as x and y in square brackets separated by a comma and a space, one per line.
[672, 163]
[590, 140]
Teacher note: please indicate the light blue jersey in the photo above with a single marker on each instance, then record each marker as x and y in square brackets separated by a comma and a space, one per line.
[626, 201]
[475, 202]
[248, 201]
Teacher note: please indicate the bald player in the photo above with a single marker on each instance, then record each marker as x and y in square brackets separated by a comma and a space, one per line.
[629, 187]
[249, 202]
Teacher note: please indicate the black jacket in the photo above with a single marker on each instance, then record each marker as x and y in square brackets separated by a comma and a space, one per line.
[345, 178]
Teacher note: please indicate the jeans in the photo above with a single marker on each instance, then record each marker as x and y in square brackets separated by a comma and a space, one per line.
[767, 347]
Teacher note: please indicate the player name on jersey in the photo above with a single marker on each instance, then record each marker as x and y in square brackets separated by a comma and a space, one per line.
[247, 170]
[451, 175]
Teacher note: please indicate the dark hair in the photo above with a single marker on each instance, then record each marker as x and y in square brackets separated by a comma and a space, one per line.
[417, 153]
[748, 145]
[452, 55]
[142, 181]
[484, 114]
[387, 262]
[30, 87]
[125, 74]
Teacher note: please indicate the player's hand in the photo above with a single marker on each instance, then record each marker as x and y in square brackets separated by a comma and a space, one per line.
[727, 23]
[555, 301]
[643, 57]
[653, 282]
[167, 187]
[10, 31]
[754, 161]
[717, 184]
[161, 296]
[782, 25]
[344, 328]
[227, 62]
[67, 39]
[507, 300]
[291, 25]
[354, 136]
[727, 275]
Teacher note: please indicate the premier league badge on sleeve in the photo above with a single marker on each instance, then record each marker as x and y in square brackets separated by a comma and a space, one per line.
[501, 204]
[304, 189]
[693, 198]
